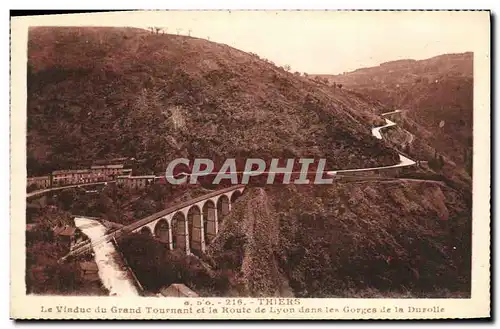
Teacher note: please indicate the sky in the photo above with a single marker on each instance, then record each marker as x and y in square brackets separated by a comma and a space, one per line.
[333, 42]
[316, 42]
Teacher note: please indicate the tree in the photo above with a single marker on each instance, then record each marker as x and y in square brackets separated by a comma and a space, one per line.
[143, 208]
[339, 85]
[158, 29]
[178, 30]
[189, 32]
[31, 188]
[437, 162]
[468, 161]
[156, 266]
[287, 67]
[441, 161]
[66, 198]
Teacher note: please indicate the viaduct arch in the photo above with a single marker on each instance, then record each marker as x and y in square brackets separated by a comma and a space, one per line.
[190, 228]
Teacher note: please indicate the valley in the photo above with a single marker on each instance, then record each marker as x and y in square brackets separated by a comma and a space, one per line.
[392, 218]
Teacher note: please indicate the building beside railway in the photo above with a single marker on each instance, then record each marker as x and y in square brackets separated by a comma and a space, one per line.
[135, 182]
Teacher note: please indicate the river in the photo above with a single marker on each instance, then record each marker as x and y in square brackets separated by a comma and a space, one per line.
[111, 271]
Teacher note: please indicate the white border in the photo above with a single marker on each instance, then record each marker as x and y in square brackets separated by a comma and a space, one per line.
[353, 6]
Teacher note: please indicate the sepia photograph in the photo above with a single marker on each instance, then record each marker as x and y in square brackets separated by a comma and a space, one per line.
[263, 158]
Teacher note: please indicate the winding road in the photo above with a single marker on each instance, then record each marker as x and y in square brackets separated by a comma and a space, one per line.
[40, 192]
[389, 113]
[376, 130]
[403, 161]
[411, 137]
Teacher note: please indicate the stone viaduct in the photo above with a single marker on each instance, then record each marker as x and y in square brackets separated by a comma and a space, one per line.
[188, 226]
[191, 225]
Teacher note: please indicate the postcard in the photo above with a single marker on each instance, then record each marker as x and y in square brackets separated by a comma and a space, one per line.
[250, 165]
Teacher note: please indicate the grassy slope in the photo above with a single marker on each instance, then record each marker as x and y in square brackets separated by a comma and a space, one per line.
[432, 90]
[104, 92]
